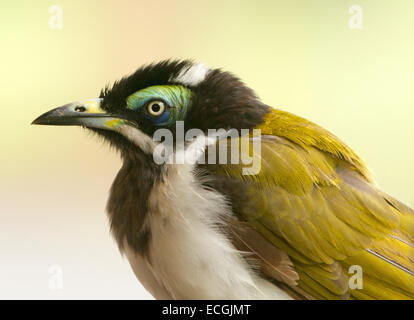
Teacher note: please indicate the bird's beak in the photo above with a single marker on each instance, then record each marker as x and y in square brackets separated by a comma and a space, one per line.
[87, 113]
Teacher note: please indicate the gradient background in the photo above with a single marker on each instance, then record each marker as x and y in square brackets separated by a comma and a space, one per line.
[298, 55]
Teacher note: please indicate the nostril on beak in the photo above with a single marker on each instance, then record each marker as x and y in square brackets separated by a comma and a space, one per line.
[80, 109]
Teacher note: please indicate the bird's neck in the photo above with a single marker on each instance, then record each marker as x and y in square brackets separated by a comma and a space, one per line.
[128, 202]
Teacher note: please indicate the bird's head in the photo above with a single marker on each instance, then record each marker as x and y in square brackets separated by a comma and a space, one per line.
[156, 96]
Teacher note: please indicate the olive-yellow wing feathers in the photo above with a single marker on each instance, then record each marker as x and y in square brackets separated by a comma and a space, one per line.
[315, 200]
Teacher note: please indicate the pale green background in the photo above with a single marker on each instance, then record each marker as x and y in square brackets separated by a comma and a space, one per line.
[298, 55]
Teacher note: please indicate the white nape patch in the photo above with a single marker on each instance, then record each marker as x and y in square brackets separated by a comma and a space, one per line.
[190, 257]
[192, 75]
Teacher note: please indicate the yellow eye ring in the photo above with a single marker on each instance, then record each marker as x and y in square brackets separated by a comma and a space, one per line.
[156, 108]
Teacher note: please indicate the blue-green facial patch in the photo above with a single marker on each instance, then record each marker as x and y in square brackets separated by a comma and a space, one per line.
[177, 98]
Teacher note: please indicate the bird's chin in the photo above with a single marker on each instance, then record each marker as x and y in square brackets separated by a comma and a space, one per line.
[116, 140]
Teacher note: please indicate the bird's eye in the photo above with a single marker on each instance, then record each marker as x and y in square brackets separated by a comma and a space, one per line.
[156, 108]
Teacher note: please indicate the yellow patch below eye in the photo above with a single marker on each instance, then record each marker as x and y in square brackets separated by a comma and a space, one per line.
[115, 123]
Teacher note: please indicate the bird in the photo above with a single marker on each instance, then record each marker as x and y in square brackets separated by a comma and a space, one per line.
[309, 223]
